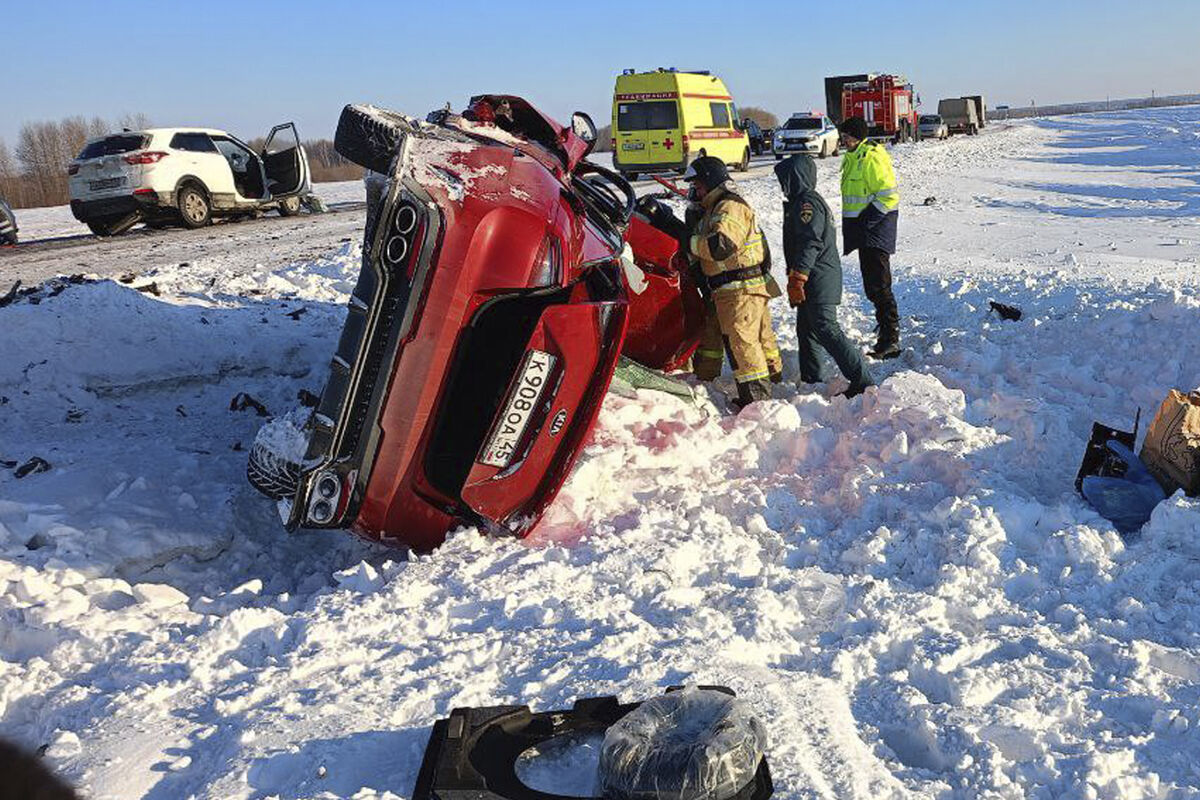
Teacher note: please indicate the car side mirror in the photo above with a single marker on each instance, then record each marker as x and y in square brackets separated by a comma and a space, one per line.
[583, 127]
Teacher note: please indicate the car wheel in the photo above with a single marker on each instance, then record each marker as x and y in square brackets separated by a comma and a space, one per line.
[194, 209]
[113, 226]
[744, 164]
[370, 137]
[289, 206]
[271, 474]
[824, 151]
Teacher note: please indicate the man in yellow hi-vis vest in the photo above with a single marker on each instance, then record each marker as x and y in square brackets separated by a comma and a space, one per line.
[732, 253]
[870, 214]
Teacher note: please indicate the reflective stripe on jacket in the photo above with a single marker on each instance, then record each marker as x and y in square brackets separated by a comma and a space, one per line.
[868, 180]
[727, 240]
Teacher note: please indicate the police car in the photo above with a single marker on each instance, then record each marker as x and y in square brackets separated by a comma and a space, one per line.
[811, 133]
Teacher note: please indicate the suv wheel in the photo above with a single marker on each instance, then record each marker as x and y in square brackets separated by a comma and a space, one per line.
[113, 226]
[289, 206]
[194, 208]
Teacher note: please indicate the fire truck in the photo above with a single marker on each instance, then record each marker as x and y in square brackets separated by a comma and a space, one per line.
[886, 102]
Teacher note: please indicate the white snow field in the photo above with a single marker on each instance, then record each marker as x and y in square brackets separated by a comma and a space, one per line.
[904, 585]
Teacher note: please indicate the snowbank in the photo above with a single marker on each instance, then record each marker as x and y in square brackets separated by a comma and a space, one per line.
[904, 586]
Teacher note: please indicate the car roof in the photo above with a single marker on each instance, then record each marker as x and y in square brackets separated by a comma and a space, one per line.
[210, 131]
[162, 132]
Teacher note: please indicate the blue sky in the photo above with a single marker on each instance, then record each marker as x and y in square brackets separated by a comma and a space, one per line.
[243, 66]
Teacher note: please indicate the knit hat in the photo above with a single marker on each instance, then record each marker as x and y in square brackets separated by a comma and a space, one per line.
[854, 126]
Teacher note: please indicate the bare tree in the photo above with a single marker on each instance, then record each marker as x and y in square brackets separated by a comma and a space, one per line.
[764, 118]
[604, 139]
[11, 185]
[134, 121]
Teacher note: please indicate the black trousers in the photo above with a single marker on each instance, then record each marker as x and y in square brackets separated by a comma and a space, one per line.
[876, 266]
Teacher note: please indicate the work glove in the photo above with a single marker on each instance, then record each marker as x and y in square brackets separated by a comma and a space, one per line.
[795, 290]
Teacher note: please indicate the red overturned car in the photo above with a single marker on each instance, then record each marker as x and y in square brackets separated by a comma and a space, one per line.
[496, 294]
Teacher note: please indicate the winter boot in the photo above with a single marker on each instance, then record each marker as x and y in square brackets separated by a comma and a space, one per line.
[751, 392]
[888, 344]
[854, 391]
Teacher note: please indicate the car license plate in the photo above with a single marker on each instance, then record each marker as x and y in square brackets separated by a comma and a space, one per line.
[522, 401]
[634, 146]
[106, 183]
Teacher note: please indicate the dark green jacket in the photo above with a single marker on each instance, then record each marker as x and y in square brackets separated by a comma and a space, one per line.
[809, 232]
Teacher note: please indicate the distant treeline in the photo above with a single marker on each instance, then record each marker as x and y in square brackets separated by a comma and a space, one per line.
[1095, 106]
[34, 172]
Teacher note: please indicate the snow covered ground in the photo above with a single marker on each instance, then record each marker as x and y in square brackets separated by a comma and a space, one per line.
[904, 585]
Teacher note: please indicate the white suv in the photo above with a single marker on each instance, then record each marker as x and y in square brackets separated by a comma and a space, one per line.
[184, 174]
[806, 133]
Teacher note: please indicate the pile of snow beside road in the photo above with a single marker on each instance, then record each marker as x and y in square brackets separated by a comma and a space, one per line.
[903, 585]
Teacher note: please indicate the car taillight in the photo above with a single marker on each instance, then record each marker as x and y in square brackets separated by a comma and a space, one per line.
[73, 169]
[151, 157]
[685, 144]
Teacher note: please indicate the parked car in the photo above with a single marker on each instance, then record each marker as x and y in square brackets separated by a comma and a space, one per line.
[758, 140]
[811, 133]
[8, 224]
[931, 126]
[484, 328]
[186, 175]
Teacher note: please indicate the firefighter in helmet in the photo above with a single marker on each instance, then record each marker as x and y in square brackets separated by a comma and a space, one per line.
[733, 257]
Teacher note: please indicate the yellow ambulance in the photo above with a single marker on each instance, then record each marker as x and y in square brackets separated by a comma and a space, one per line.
[664, 119]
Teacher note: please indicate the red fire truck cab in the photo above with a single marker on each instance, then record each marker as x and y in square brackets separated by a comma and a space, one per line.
[887, 103]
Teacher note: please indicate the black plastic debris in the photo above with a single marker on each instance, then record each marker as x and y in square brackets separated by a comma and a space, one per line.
[472, 754]
[307, 398]
[181, 411]
[241, 401]
[1005, 311]
[32, 467]
[930, 201]
[299, 312]
[1098, 459]
[11, 294]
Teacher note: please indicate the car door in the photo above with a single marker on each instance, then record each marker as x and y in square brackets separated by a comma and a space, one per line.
[631, 140]
[284, 162]
[199, 158]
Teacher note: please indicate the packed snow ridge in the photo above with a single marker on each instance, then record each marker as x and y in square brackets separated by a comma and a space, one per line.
[904, 586]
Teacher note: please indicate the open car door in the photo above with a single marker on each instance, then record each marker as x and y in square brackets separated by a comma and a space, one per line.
[666, 311]
[285, 162]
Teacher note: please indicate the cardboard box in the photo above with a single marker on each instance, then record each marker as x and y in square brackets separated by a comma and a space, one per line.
[1171, 450]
